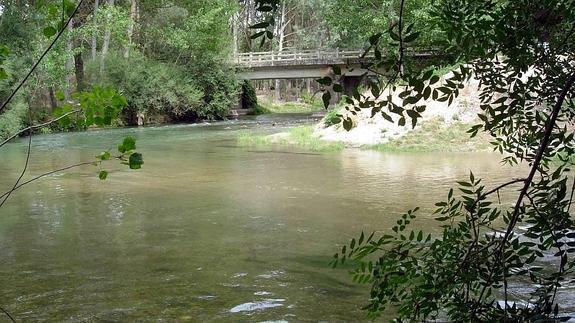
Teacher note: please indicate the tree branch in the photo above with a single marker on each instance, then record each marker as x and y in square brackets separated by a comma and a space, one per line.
[536, 162]
[16, 187]
[41, 57]
[8, 314]
[28, 152]
[37, 126]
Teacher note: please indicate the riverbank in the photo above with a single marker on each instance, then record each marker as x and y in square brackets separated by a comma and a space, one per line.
[301, 137]
[431, 136]
[266, 105]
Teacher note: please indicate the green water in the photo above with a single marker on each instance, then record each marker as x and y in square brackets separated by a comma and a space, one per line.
[207, 230]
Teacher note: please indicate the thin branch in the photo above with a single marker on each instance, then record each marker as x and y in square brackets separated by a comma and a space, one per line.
[41, 57]
[554, 238]
[571, 198]
[8, 314]
[484, 195]
[544, 143]
[28, 152]
[43, 175]
[537, 161]
[37, 126]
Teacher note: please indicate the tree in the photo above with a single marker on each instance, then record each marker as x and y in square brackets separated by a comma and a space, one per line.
[522, 53]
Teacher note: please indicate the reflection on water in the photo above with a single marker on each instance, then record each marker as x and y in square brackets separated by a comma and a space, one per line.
[206, 230]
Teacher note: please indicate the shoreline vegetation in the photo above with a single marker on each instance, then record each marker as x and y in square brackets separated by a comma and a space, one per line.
[443, 129]
[302, 137]
[266, 105]
[431, 136]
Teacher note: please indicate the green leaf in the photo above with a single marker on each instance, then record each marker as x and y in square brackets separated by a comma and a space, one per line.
[401, 122]
[326, 80]
[374, 38]
[103, 175]
[326, 97]
[257, 35]
[347, 124]
[336, 69]
[49, 31]
[105, 155]
[393, 35]
[128, 144]
[69, 7]
[411, 37]
[260, 25]
[60, 96]
[338, 88]
[136, 161]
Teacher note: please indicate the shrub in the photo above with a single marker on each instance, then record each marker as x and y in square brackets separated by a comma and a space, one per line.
[152, 87]
[331, 117]
[219, 85]
[248, 99]
[13, 120]
[259, 109]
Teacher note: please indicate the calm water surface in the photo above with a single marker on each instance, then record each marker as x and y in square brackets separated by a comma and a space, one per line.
[207, 230]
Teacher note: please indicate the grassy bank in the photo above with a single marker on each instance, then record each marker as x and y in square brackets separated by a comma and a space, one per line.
[434, 135]
[266, 105]
[430, 136]
[300, 137]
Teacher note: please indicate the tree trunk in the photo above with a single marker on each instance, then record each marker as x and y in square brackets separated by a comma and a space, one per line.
[106, 43]
[79, 67]
[70, 61]
[53, 102]
[95, 33]
[235, 20]
[281, 36]
[133, 16]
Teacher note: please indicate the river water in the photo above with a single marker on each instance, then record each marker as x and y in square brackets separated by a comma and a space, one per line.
[207, 230]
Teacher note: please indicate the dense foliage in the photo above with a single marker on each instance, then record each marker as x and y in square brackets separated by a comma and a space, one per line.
[248, 99]
[522, 53]
[169, 59]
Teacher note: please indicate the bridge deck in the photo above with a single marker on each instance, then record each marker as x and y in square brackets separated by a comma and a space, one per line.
[315, 63]
[312, 57]
[297, 57]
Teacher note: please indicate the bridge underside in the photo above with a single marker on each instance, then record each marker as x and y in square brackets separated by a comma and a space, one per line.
[350, 81]
[293, 72]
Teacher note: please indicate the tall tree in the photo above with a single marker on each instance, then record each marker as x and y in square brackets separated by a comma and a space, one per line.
[107, 36]
[131, 26]
[94, 43]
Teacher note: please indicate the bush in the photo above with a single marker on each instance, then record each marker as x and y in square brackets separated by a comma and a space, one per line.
[259, 109]
[13, 120]
[152, 87]
[220, 87]
[248, 99]
[331, 117]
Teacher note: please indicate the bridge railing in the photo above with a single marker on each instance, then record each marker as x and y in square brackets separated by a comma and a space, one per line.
[296, 56]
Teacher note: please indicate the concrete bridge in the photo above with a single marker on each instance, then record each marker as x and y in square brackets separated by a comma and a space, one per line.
[295, 64]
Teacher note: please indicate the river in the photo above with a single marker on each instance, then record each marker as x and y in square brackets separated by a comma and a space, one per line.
[207, 230]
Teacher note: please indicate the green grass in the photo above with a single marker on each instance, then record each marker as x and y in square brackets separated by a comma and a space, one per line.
[300, 137]
[269, 106]
[433, 135]
[259, 109]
